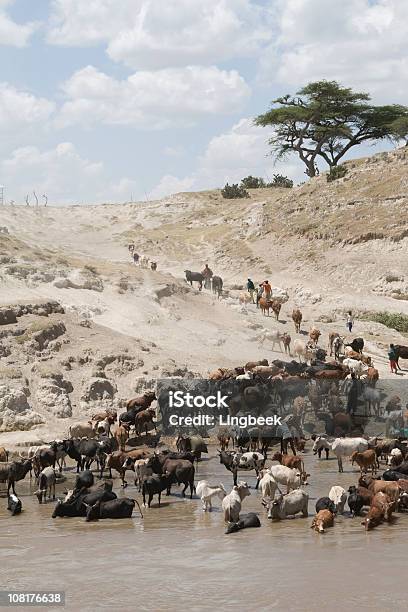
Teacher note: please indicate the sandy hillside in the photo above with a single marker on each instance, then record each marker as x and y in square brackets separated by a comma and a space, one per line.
[116, 327]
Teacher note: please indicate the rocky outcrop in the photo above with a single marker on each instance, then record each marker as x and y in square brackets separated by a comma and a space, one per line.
[51, 332]
[80, 280]
[7, 316]
[52, 395]
[15, 411]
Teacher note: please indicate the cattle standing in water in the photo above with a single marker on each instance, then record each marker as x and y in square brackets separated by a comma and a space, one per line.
[180, 471]
[235, 462]
[13, 471]
[250, 520]
[46, 484]
[14, 504]
[231, 504]
[207, 492]
[155, 485]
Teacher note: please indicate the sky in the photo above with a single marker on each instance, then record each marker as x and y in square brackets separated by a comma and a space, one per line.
[120, 100]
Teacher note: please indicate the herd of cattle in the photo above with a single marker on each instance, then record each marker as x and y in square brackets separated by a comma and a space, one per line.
[281, 483]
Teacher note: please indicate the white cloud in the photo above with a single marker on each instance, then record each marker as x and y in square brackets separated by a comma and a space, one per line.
[229, 157]
[152, 99]
[63, 175]
[12, 33]
[360, 43]
[146, 34]
[22, 108]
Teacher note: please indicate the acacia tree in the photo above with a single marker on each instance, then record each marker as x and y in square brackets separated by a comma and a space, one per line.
[399, 130]
[325, 120]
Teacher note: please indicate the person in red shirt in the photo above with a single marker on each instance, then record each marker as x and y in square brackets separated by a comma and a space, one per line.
[267, 289]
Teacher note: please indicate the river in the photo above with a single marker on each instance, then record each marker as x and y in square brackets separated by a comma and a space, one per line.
[178, 557]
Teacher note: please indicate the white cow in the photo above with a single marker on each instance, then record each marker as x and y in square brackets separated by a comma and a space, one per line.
[144, 261]
[248, 461]
[345, 447]
[355, 366]
[303, 351]
[339, 497]
[231, 504]
[268, 485]
[287, 505]
[395, 457]
[283, 475]
[321, 444]
[142, 471]
[207, 492]
[83, 429]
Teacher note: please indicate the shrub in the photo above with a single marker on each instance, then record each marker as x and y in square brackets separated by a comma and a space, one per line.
[279, 180]
[91, 269]
[335, 173]
[394, 320]
[231, 192]
[253, 182]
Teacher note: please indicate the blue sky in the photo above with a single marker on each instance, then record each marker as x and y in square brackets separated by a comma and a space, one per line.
[104, 100]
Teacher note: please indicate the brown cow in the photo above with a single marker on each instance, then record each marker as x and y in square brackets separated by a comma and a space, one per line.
[276, 307]
[265, 305]
[286, 340]
[372, 376]
[292, 461]
[390, 488]
[297, 319]
[374, 517]
[3, 455]
[365, 460]
[143, 421]
[384, 503]
[252, 364]
[322, 520]
[314, 335]
[142, 401]
[122, 435]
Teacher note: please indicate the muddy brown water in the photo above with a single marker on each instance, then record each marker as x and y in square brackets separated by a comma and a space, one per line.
[178, 557]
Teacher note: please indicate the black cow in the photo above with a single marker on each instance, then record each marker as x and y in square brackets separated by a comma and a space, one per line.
[355, 501]
[250, 520]
[84, 480]
[129, 416]
[325, 503]
[402, 468]
[180, 471]
[14, 504]
[116, 509]
[194, 276]
[13, 471]
[76, 505]
[357, 344]
[393, 475]
[155, 485]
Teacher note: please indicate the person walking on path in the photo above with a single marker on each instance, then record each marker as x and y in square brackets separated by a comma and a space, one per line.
[251, 289]
[392, 356]
[349, 321]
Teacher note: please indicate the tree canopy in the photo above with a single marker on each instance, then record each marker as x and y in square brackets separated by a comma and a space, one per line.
[325, 120]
